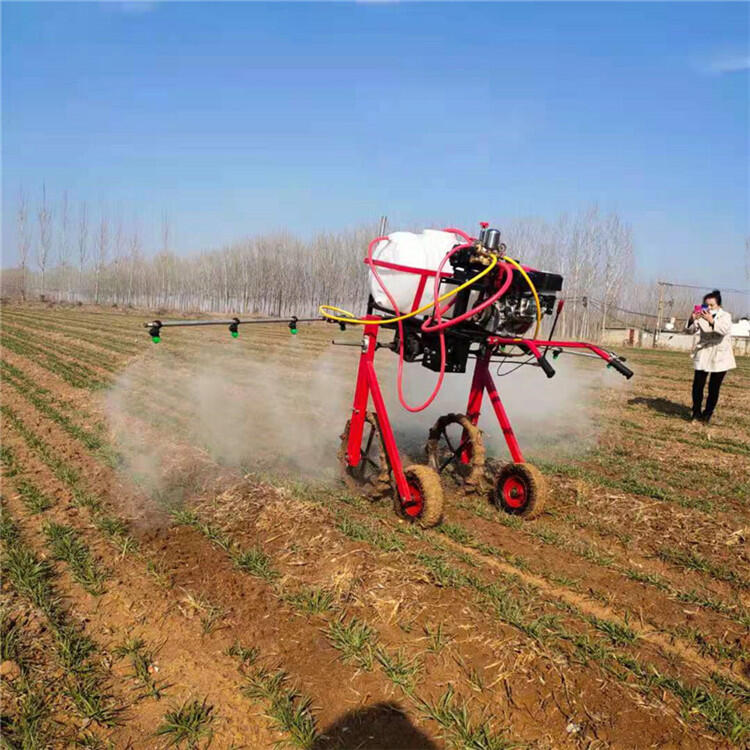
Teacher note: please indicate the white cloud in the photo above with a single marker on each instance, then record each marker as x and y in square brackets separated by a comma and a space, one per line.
[729, 64]
[136, 6]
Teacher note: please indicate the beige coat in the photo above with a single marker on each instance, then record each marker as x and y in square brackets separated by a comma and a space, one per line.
[712, 347]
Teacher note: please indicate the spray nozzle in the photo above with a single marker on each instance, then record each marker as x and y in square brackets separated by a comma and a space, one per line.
[154, 330]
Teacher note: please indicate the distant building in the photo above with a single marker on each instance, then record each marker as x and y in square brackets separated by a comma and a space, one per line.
[673, 336]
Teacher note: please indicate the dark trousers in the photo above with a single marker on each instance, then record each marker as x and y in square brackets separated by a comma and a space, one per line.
[714, 384]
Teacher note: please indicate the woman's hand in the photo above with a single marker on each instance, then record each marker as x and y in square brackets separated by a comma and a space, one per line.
[706, 315]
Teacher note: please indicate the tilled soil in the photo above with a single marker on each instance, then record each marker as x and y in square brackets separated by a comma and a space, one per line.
[619, 618]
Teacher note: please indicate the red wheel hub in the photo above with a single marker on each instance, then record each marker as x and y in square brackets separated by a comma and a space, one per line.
[514, 492]
[414, 507]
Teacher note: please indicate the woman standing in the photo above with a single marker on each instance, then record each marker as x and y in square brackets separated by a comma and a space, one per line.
[712, 353]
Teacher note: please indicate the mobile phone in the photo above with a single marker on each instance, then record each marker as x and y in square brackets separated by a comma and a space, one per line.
[697, 308]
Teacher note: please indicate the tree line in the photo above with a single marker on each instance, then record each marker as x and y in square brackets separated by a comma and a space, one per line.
[66, 254]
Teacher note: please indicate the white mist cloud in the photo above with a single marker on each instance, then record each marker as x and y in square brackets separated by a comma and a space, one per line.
[285, 411]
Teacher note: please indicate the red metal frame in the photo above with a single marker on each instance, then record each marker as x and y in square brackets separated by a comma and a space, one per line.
[481, 382]
[534, 344]
[368, 387]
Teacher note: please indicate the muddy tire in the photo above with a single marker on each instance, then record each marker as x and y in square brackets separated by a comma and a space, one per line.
[520, 489]
[372, 476]
[455, 447]
[427, 507]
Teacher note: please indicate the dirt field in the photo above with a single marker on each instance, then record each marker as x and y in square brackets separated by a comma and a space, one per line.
[182, 567]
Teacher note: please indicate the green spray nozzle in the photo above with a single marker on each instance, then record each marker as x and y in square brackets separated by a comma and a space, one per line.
[154, 330]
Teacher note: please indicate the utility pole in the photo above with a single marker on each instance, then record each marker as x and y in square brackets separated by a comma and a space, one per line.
[659, 311]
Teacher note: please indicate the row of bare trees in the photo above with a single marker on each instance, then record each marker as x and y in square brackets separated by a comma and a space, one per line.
[44, 230]
[65, 256]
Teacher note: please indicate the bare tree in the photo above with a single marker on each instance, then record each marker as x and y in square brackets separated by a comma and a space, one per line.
[24, 239]
[63, 247]
[118, 251]
[44, 216]
[617, 260]
[83, 243]
[101, 248]
[134, 251]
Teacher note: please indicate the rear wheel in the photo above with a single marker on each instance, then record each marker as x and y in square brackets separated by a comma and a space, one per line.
[455, 447]
[371, 476]
[520, 489]
[426, 504]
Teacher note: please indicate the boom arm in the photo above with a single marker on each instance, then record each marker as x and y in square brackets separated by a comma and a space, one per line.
[155, 326]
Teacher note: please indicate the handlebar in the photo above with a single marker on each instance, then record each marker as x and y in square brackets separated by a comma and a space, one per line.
[620, 367]
[532, 345]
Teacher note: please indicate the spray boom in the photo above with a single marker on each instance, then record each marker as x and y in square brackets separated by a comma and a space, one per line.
[155, 326]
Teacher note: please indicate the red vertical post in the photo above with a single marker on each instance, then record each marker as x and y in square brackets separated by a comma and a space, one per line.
[367, 386]
[474, 406]
[502, 417]
[361, 394]
[389, 440]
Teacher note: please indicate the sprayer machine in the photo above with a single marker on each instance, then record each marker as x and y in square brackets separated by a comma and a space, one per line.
[449, 298]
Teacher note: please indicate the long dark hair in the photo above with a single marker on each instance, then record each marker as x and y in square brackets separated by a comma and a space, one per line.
[716, 294]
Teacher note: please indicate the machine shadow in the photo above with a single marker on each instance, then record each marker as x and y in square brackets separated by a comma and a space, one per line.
[382, 726]
[663, 406]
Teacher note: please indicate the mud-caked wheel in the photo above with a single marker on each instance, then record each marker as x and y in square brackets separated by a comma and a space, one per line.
[426, 504]
[371, 476]
[520, 489]
[455, 447]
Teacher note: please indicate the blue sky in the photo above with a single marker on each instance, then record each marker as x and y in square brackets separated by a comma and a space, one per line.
[246, 117]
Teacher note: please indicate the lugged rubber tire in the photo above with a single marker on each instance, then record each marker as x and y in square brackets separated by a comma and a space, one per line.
[529, 486]
[427, 481]
[471, 474]
[381, 485]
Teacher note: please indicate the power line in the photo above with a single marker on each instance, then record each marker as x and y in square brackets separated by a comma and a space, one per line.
[688, 286]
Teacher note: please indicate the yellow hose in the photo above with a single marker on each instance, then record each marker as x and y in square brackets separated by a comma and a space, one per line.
[523, 273]
[323, 309]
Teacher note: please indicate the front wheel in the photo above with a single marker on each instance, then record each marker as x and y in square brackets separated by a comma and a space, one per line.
[520, 489]
[425, 506]
[371, 476]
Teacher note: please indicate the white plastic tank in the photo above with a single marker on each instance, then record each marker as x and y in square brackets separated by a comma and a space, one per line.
[424, 251]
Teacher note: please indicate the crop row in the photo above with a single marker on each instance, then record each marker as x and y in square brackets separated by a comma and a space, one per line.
[85, 683]
[705, 643]
[76, 375]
